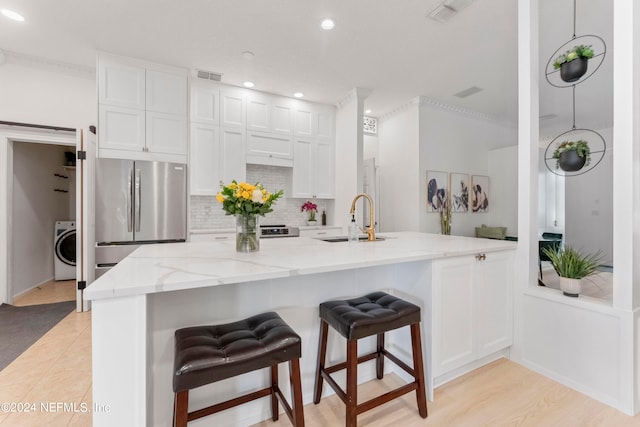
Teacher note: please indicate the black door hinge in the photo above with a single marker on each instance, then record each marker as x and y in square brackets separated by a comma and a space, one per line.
[82, 155]
[82, 284]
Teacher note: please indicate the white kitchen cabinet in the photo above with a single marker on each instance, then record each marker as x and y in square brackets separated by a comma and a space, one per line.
[267, 148]
[313, 169]
[233, 107]
[269, 113]
[166, 92]
[121, 129]
[121, 82]
[217, 154]
[205, 104]
[212, 237]
[141, 110]
[314, 121]
[323, 231]
[166, 134]
[472, 309]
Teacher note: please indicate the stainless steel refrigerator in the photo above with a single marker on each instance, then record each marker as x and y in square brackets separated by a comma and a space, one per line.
[137, 202]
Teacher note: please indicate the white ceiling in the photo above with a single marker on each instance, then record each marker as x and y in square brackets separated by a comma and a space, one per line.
[389, 47]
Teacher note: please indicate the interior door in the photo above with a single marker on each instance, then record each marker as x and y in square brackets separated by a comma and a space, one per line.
[85, 217]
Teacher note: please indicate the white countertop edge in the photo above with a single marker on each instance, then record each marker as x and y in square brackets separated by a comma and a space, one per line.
[394, 256]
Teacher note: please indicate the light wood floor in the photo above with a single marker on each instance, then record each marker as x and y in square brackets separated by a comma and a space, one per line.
[57, 368]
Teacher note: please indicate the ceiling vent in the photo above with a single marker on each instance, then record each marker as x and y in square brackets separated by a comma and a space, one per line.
[468, 92]
[448, 9]
[208, 75]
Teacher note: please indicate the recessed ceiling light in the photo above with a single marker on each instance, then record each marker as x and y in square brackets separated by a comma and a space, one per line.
[367, 111]
[327, 24]
[298, 94]
[248, 84]
[12, 15]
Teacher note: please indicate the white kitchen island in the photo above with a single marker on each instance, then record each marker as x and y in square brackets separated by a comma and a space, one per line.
[464, 286]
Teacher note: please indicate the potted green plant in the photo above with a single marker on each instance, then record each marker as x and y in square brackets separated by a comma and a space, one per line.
[572, 266]
[573, 63]
[571, 156]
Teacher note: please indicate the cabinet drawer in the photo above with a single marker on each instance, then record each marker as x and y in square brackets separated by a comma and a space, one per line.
[323, 232]
[212, 237]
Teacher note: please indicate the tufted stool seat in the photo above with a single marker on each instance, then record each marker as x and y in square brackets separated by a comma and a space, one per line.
[206, 354]
[372, 314]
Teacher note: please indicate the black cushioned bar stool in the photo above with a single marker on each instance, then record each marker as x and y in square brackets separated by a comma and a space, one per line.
[372, 314]
[206, 354]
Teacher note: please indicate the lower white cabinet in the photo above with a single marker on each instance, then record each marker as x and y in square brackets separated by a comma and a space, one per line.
[313, 169]
[472, 308]
[321, 232]
[212, 237]
[217, 154]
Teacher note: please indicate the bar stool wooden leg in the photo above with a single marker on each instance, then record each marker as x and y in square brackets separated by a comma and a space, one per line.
[418, 367]
[274, 397]
[181, 408]
[380, 357]
[322, 351]
[296, 392]
[352, 383]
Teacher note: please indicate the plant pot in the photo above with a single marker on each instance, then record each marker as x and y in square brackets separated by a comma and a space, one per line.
[570, 161]
[573, 70]
[311, 222]
[570, 287]
[247, 233]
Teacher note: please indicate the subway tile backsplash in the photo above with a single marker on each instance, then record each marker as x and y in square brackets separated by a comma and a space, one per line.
[207, 213]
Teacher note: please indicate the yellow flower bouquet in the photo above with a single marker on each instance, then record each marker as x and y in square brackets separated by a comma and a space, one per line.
[246, 201]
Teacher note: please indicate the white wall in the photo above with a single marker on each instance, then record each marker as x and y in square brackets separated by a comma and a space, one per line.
[399, 172]
[35, 208]
[503, 173]
[459, 141]
[589, 206]
[47, 95]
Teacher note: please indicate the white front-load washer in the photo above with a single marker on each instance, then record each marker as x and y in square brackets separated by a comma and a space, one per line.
[64, 247]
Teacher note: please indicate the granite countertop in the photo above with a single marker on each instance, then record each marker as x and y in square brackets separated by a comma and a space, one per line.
[178, 266]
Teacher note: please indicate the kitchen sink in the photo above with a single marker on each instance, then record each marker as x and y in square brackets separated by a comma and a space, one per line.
[335, 239]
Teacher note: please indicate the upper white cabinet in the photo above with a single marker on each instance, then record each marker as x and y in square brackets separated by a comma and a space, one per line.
[142, 110]
[472, 308]
[233, 107]
[268, 148]
[313, 169]
[269, 113]
[205, 105]
[314, 121]
[217, 154]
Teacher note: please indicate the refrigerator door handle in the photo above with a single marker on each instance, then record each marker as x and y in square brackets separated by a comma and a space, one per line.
[137, 200]
[129, 204]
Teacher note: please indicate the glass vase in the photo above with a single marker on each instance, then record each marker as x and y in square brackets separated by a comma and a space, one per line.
[247, 233]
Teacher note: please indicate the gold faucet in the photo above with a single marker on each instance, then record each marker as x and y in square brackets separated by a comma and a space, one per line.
[371, 232]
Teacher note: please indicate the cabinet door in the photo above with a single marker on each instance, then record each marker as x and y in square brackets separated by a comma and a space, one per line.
[494, 302]
[166, 92]
[204, 165]
[269, 149]
[120, 84]
[453, 306]
[304, 122]
[121, 128]
[205, 105]
[282, 116]
[302, 185]
[324, 170]
[232, 108]
[166, 133]
[233, 153]
[325, 123]
[258, 112]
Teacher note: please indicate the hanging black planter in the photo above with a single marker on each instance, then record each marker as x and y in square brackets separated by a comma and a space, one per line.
[570, 161]
[573, 70]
